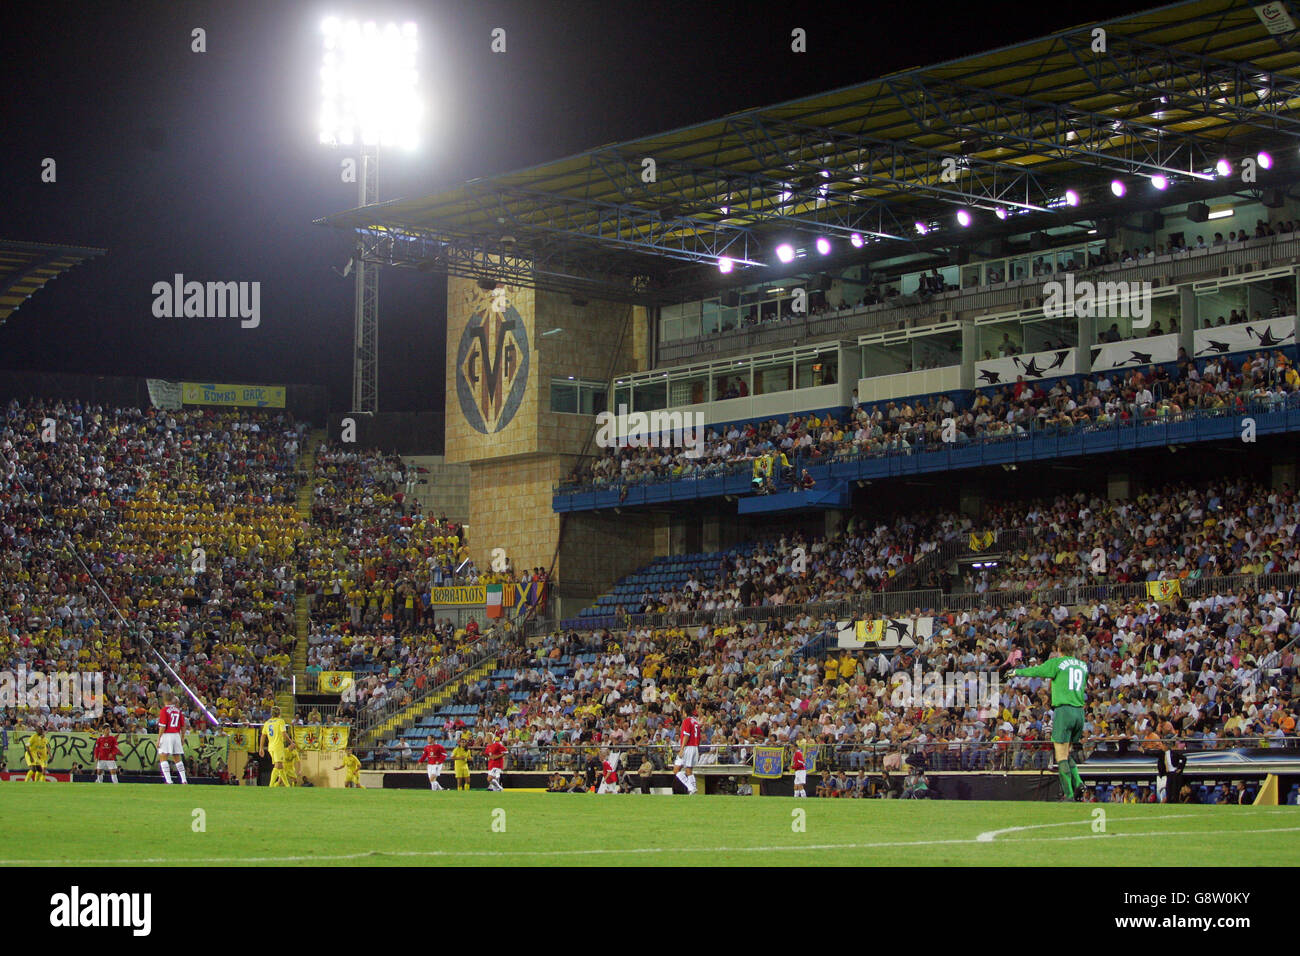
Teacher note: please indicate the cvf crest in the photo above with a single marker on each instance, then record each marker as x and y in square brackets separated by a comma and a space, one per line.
[492, 366]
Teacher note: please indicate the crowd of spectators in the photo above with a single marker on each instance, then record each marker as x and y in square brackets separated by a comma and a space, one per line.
[1181, 531]
[1211, 673]
[125, 528]
[1152, 393]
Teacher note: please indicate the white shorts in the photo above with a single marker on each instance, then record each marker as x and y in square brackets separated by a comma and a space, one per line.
[106, 765]
[608, 788]
[688, 757]
[171, 744]
[494, 773]
[435, 769]
[800, 777]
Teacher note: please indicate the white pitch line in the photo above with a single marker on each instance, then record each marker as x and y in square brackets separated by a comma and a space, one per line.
[989, 836]
[487, 854]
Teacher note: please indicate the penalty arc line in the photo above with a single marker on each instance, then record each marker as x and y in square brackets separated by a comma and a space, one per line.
[486, 854]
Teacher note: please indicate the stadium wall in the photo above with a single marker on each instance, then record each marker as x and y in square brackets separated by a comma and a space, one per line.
[499, 423]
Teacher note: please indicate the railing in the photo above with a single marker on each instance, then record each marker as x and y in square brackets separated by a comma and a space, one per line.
[474, 655]
[874, 757]
[846, 455]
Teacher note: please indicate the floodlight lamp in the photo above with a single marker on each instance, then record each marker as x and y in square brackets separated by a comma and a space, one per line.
[725, 264]
[785, 252]
[963, 218]
[823, 245]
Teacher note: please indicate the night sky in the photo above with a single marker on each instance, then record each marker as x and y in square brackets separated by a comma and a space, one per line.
[207, 164]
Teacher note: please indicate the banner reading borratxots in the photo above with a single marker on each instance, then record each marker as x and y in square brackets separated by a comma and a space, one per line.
[139, 751]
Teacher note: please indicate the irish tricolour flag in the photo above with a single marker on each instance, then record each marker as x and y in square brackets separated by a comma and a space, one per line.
[494, 608]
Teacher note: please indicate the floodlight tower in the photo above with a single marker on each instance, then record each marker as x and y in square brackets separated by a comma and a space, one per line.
[368, 100]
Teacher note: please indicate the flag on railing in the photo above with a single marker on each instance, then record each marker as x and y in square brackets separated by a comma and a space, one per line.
[1164, 590]
[307, 738]
[242, 738]
[334, 738]
[494, 601]
[981, 542]
[767, 762]
[334, 682]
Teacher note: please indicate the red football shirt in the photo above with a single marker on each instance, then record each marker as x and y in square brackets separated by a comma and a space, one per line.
[797, 762]
[171, 720]
[434, 753]
[106, 747]
[690, 732]
[611, 775]
[496, 754]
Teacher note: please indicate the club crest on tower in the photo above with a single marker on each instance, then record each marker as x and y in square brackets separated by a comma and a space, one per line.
[492, 366]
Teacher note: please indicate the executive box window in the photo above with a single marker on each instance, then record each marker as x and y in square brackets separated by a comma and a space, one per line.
[578, 396]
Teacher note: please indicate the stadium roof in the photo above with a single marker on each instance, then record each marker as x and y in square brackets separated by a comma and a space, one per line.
[1168, 91]
[26, 266]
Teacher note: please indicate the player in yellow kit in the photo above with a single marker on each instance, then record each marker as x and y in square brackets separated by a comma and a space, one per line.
[291, 755]
[37, 751]
[460, 759]
[352, 766]
[276, 739]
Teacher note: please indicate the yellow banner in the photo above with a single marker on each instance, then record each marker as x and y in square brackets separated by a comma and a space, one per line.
[242, 738]
[334, 738]
[466, 594]
[869, 632]
[979, 542]
[1164, 590]
[334, 682]
[255, 396]
[307, 738]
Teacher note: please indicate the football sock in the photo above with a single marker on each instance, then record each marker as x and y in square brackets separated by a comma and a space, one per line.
[1074, 775]
[113, 774]
[682, 777]
[1067, 784]
[180, 769]
[166, 771]
[99, 777]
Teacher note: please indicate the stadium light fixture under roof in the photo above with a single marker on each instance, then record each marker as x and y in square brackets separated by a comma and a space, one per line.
[369, 84]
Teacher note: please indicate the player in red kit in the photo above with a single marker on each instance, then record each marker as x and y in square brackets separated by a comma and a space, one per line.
[496, 758]
[690, 750]
[106, 751]
[171, 724]
[608, 773]
[434, 756]
[800, 769]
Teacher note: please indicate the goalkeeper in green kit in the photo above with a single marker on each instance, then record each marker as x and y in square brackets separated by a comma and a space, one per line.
[1069, 677]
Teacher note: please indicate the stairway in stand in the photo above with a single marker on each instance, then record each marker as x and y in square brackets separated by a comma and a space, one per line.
[302, 616]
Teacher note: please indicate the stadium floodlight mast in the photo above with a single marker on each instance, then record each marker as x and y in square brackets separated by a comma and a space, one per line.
[369, 100]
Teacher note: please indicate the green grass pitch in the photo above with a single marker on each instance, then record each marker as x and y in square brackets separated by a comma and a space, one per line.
[100, 824]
